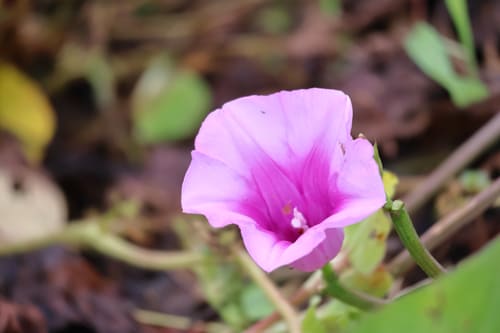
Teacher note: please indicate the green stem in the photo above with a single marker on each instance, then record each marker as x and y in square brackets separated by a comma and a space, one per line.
[162, 319]
[116, 247]
[409, 237]
[91, 234]
[177, 322]
[69, 236]
[335, 289]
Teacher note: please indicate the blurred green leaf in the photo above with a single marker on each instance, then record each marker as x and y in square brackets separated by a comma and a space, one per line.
[274, 19]
[465, 300]
[254, 303]
[467, 90]
[25, 111]
[76, 61]
[366, 242]
[100, 75]
[168, 103]
[337, 316]
[425, 46]
[224, 285]
[311, 323]
[377, 283]
[238, 302]
[474, 181]
[147, 8]
[458, 12]
[332, 7]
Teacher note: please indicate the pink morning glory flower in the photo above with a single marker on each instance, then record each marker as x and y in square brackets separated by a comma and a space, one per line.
[285, 169]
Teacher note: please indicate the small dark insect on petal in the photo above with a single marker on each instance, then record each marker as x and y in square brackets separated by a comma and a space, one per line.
[342, 148]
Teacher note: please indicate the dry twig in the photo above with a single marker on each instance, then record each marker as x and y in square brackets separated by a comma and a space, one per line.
[465, 154]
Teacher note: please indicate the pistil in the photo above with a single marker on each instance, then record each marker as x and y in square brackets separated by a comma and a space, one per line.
[299, 221]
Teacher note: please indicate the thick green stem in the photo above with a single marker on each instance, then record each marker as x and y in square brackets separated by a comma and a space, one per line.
[443, 229]
[409, 237]
[335, 289]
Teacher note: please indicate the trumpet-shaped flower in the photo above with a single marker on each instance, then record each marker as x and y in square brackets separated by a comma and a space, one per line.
[285, 169]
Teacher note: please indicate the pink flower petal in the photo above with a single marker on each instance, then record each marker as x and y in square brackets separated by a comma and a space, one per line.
[213, 189]
[359, 184]
[263, 246]
[360, 176]
[322, 253]
[284, 126]
[309, 252]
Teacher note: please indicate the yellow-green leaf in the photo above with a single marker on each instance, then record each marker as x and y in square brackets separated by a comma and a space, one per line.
[377, 283]
[390, 182]
[25, 111]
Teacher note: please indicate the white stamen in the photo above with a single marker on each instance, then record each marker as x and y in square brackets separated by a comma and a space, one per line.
[298, 221]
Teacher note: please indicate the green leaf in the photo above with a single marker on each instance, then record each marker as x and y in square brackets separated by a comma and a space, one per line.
[458, 12]
[311, 323]
[168, 104]
[467, 90]
[254, 302]
[366, 242]
[465, 300]
[425, 47]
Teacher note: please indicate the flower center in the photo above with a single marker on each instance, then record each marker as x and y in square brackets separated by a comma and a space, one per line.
[298, 220]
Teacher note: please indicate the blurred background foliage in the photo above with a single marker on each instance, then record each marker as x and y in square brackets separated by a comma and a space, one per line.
[99, 104]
